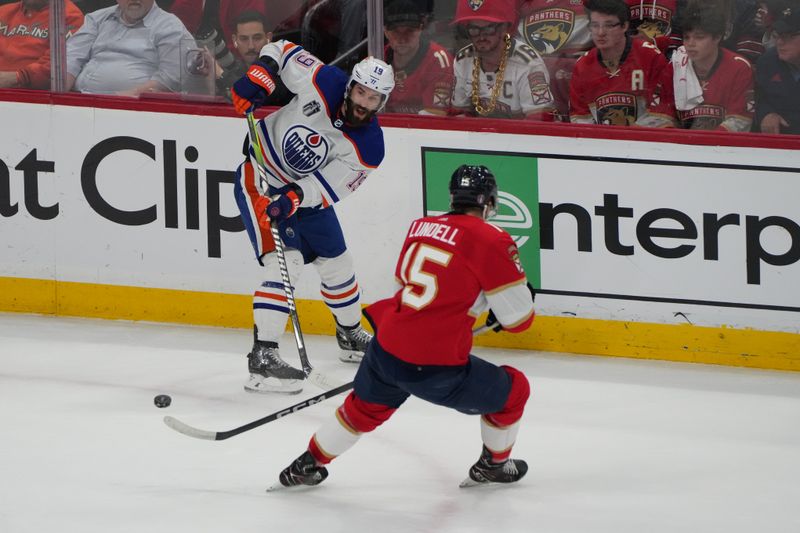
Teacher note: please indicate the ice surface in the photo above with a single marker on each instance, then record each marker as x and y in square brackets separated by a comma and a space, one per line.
[614, 445]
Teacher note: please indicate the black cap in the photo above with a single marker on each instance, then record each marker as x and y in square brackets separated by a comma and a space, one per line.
[472, 186]
[787, 20]
[402, 13]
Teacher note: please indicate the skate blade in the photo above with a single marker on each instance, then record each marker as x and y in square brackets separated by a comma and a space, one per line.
[349, 356]
[270, 391]
[469, 482]
[277, 487]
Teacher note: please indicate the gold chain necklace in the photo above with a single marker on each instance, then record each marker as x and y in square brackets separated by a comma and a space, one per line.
[498, 84]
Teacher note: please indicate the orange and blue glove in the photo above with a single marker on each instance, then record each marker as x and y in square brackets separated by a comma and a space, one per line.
[280, 206]
[252, 89]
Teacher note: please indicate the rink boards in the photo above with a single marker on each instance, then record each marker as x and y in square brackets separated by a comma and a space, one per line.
[641, 246]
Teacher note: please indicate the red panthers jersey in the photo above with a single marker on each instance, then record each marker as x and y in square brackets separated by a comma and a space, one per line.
[451, 268]
[425, 84]
[727, 96]
[639, 92]
[555, 27]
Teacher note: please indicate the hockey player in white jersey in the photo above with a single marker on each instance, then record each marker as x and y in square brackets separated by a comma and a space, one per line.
[317, 150]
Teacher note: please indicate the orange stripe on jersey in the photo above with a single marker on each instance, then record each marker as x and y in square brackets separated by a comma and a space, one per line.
[279, 297]
[252, 192]
[288, 46]
[339, 296]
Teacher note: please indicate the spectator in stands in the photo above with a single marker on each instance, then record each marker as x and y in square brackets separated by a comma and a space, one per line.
[622, 81]
[652, 20]
[25, 42]
[250, 35]
[127, 49]
[423, 69]
[778, 77]
[201, 17]
[721, 96]
[743, 35]
[559, 31]
[498, 75]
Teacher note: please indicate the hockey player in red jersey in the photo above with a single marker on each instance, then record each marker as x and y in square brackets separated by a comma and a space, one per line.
[451, 268]
[725, 78]
[423, 69]
[622, 81]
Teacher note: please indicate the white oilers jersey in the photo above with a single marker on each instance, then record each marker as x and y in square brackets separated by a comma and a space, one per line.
[306, 141]
[526, 84]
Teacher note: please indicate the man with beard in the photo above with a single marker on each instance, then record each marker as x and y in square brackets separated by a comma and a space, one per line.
[318, 149]
[25, 42]
[622, 81]
[423, 69]
[127, 49]
[498, 75]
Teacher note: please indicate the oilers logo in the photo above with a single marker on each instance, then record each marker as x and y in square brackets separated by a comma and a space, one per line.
[304, 149]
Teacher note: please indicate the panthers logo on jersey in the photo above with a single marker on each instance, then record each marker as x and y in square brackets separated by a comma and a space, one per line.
[654, 21]
[547, 31]
[304, 149]
[616, 109]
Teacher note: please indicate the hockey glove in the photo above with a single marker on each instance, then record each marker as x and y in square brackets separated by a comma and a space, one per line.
[284, 203]
[494, 324]
[252, 89]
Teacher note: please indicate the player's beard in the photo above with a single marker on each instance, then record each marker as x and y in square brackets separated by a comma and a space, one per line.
[349, 115]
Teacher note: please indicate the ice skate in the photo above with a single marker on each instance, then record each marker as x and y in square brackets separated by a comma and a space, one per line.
[485, 471]
[353, 342]
[270, 373]
[303, 471]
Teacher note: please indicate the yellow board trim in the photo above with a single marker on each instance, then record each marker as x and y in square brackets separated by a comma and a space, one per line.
[669, 342]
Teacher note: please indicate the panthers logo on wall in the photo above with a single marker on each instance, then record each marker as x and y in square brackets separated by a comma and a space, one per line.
[547, 31]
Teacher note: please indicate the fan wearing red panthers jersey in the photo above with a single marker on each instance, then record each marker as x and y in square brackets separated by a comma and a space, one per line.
[451, 268]
[423, 69]
[622, 81]
[726, 78]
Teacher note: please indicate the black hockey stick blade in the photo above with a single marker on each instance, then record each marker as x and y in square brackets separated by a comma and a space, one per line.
[190, 431]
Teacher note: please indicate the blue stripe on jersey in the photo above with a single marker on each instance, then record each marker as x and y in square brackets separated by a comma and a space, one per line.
[272, 307]
[343, 304]
[342, 286]
[327, 186]
[290, 54]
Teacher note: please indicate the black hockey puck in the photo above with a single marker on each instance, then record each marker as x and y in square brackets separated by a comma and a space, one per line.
[162, 400]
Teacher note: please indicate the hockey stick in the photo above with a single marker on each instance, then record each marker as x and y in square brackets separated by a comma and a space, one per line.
[204, 434]
[190, 431]
[315, 377]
